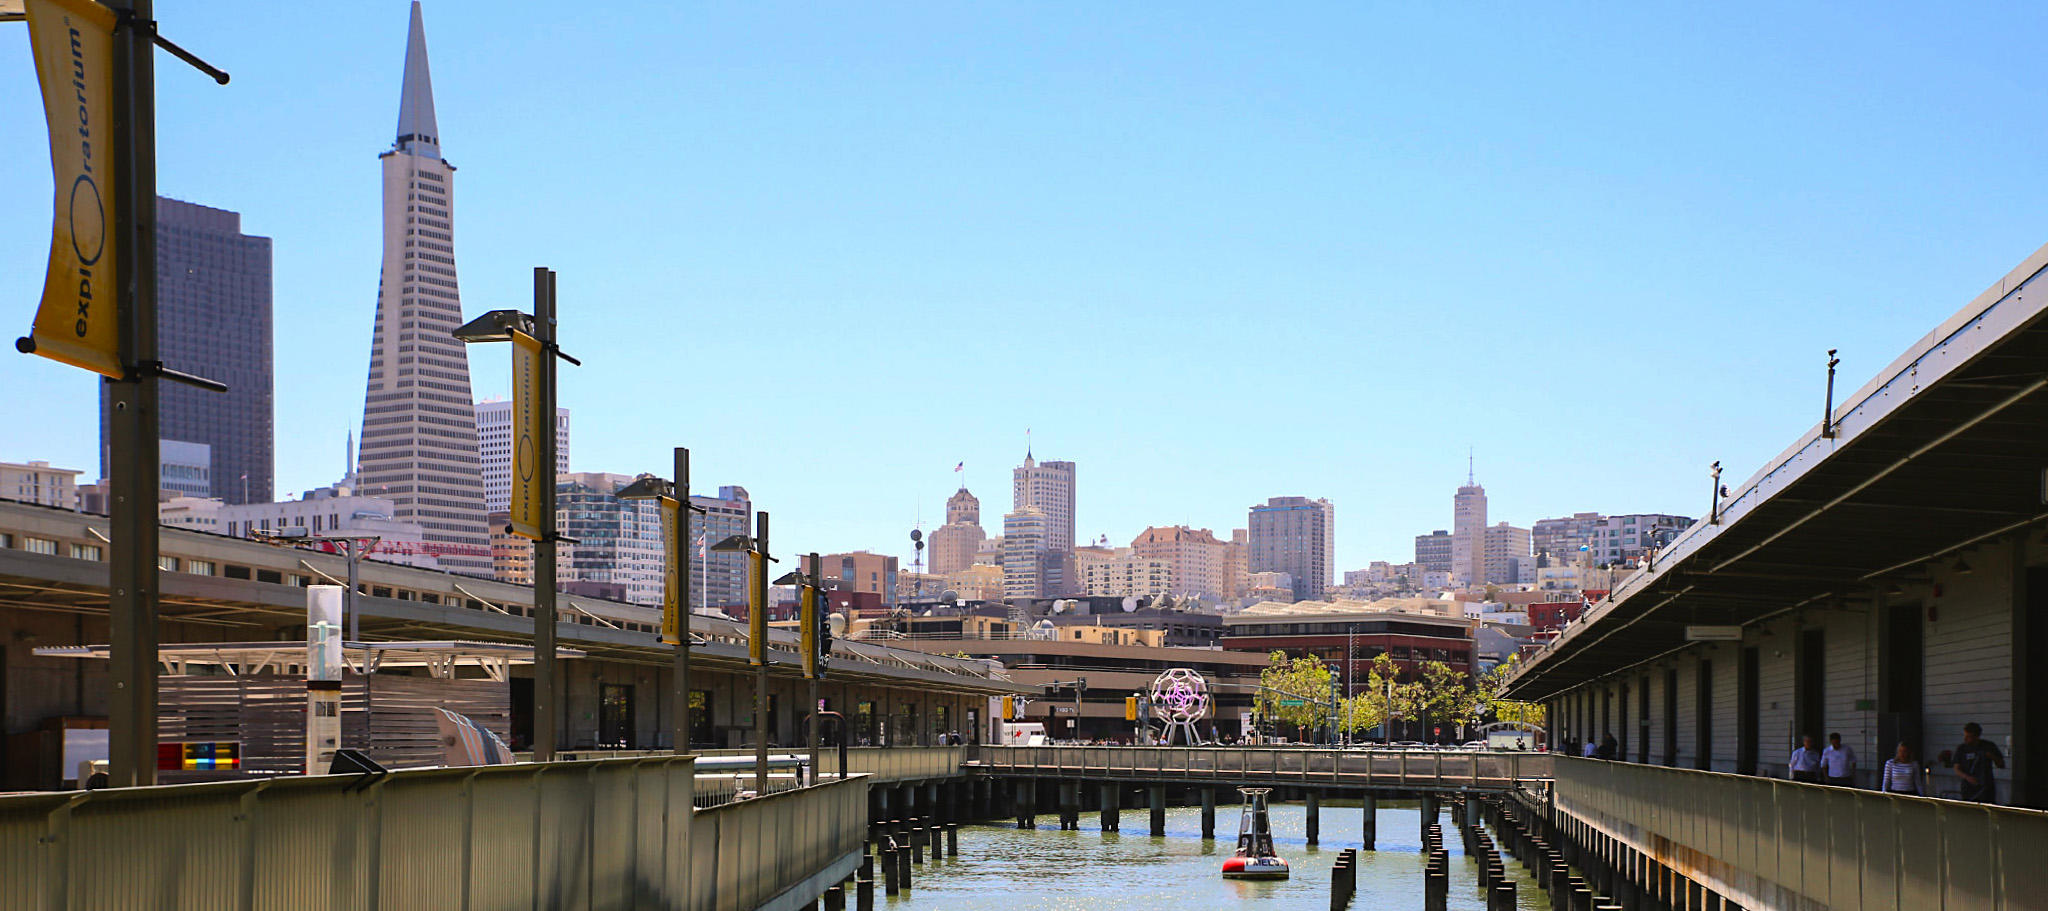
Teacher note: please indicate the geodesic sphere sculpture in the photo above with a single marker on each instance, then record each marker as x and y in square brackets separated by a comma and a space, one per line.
[1180, 695]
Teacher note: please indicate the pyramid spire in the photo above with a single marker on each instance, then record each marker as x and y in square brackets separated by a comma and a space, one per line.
[417, 132]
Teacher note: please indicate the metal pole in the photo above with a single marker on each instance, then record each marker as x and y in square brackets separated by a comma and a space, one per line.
[817, 616]
[545, 697]
[680, 743]
[758, 600]
[133, 455]
[355, 559]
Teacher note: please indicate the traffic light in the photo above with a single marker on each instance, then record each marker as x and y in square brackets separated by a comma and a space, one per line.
[1130, 708]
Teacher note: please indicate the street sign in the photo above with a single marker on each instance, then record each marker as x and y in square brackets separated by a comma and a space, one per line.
[1288, 703]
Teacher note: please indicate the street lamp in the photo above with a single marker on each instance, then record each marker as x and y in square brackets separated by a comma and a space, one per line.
[533, 473]
[674, 498]
[756, 549]
[354, 548]
[817, 641]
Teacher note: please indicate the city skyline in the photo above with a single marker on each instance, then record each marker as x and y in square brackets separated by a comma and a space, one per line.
[1866, 289]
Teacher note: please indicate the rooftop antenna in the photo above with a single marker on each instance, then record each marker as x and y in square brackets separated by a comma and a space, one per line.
[1469, 477]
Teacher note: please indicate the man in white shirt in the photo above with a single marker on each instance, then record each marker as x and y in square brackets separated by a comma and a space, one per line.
[1805, 762]
[1838, 763]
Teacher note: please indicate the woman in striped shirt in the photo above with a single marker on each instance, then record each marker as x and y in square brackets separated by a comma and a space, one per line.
[1901, 776]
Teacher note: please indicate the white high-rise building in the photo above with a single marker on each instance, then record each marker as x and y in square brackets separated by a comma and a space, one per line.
[419, 444]
[1049, 488]
[494, 449]
[1468, 533]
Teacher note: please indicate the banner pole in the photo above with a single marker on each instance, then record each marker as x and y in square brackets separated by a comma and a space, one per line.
[132, 445]
[681, 673]
[546, 692]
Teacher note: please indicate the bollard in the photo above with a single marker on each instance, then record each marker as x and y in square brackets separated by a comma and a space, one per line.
[1369, 807]
[890, 874]
[1501, 897]
[903, 870]
[1436, 890]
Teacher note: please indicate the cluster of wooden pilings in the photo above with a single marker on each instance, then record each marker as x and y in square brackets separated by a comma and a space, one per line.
[900, 846]
[1530, 838]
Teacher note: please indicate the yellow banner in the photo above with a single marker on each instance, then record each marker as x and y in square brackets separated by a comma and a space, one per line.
[78, 321]
[672, 517]
[757, 610]
[807, 617]
[528, 424]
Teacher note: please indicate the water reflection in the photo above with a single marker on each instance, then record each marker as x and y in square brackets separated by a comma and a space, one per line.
[1001, 869]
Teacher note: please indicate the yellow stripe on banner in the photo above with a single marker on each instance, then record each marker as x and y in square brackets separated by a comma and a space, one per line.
[77, 322]
[527, 426]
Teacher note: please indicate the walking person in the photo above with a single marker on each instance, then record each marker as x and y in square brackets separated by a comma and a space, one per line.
[1973, 762]
[1805, 762]
[1901, 776]
[1838, 763]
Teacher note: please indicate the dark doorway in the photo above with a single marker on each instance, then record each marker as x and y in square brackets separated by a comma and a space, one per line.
[522, 713]
[2030, 732]
[1671, 717]
[1900, 657]
[1747, 716]
[700, 716]
[1812, 695]
[1703, 716]
[973, 726]
[1643, 721]
[615, 716]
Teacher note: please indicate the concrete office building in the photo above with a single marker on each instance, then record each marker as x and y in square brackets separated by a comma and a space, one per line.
[1129, 575]
[419, 441]
[1606, 539]
[494, 450]
[1433, 551]
[719, 579]
[859, 571]
[1505, 549]
[37, 482]
[617, 550]
[1194, 554]
[1049, 488]
[1468, 534]
[214, 320]
[1296, 536]
[955, 543]
[1031, 568]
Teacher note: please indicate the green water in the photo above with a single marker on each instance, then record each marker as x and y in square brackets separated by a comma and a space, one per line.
[1006, 869]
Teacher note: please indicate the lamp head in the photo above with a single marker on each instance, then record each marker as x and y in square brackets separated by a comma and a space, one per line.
[495, 326]
[735, 544]
[647, 487]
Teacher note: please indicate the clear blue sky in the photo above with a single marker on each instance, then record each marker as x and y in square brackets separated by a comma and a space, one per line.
[1212, 253]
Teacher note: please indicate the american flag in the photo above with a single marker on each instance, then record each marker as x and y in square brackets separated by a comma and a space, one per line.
[959, 466]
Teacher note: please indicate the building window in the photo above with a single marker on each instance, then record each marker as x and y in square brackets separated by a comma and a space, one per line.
[167, 564]
[85, 552]
[39, 546]
[199, 567]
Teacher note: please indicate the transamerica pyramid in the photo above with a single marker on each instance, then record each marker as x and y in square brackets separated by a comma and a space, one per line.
[419, 446]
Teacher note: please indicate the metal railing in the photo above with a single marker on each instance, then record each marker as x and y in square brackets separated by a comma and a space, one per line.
[791, 845]
[1768, 843]
[607, 834]
[581, 834]
[1284, 765]
[883, 764]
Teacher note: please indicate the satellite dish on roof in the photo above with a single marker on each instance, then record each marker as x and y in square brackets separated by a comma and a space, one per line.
[949, 596]
[1130, 603]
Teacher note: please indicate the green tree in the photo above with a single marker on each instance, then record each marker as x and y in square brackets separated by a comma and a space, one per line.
[1492, 683]
[1303, 681]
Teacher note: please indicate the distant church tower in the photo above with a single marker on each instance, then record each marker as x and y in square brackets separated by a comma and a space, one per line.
[419, 444]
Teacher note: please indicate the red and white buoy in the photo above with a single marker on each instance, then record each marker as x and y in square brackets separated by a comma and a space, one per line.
[1255, 857]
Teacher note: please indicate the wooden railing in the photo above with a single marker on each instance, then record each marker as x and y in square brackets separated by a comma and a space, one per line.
[1481, 770]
